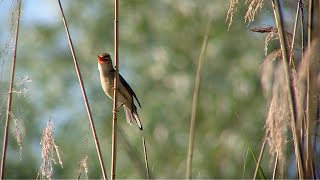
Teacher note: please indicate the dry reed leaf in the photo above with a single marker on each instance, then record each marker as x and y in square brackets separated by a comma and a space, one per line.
[311, 60]
[278, 117]
[18, 135]
[272, 35]
[267, 72]
[309, 68]
[21, 87]
[253, 8]
[231, 11]
[8, 43]
[48, 149]
[83, 164]
[16, 130]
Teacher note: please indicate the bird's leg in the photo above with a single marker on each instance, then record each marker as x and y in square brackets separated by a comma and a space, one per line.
[113, 87]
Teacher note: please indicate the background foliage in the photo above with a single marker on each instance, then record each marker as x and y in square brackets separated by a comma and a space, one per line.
[160, 42]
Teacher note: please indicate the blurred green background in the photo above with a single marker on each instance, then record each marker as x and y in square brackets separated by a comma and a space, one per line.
[160, 42]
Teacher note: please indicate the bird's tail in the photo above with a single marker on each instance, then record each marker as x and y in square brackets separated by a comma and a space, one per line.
[128, 114]
[133, 113]
[136, 117]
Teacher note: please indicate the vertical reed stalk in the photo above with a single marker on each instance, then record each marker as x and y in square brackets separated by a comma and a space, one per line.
[5, 137]
[301, 118]
[310, 21]
[195, 100]
[311, 111]
[285, 59]
[292, 64]
[84, 94]
[145, 157]
[116, 78]
[301, 27]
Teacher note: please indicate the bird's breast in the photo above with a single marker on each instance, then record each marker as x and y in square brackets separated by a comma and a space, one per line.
[107, 84]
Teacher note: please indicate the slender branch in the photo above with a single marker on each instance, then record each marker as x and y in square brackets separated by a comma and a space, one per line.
[301, 118]
[260, 157]
[115, 92]
[145, 156]
[311, 94]
[275, 167]
[293, 66]
[131, 152]
[293, 36]
[84, 95]
[310, 22]
[302, 29]
[195, 100]
[285, 59]
[5, 137]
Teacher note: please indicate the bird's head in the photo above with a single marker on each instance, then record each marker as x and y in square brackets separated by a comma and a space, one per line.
[105, 60]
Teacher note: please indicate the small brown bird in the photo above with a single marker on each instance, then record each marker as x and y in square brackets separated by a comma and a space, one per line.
[125, 93]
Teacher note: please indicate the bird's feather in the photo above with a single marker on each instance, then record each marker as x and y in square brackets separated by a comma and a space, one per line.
[128, 114]
[136, 117]
[127, 86]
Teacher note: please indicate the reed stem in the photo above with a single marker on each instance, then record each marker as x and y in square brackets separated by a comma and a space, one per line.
[5, 137]
[115, 92]
[84, 95]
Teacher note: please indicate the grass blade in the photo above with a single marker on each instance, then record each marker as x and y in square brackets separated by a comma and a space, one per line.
[258, 168]
[195, 100]
[261, 173]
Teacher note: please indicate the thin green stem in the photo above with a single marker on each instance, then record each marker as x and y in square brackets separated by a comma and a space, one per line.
[145, 156]
[132, 153]
[260, 157]
[195, 100]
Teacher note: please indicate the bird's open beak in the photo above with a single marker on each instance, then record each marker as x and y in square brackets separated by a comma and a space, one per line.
[100, 58]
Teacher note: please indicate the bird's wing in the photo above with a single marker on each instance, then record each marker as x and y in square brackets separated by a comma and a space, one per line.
[127, 86]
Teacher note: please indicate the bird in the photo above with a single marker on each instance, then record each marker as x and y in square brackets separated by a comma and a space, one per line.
[125, 96]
